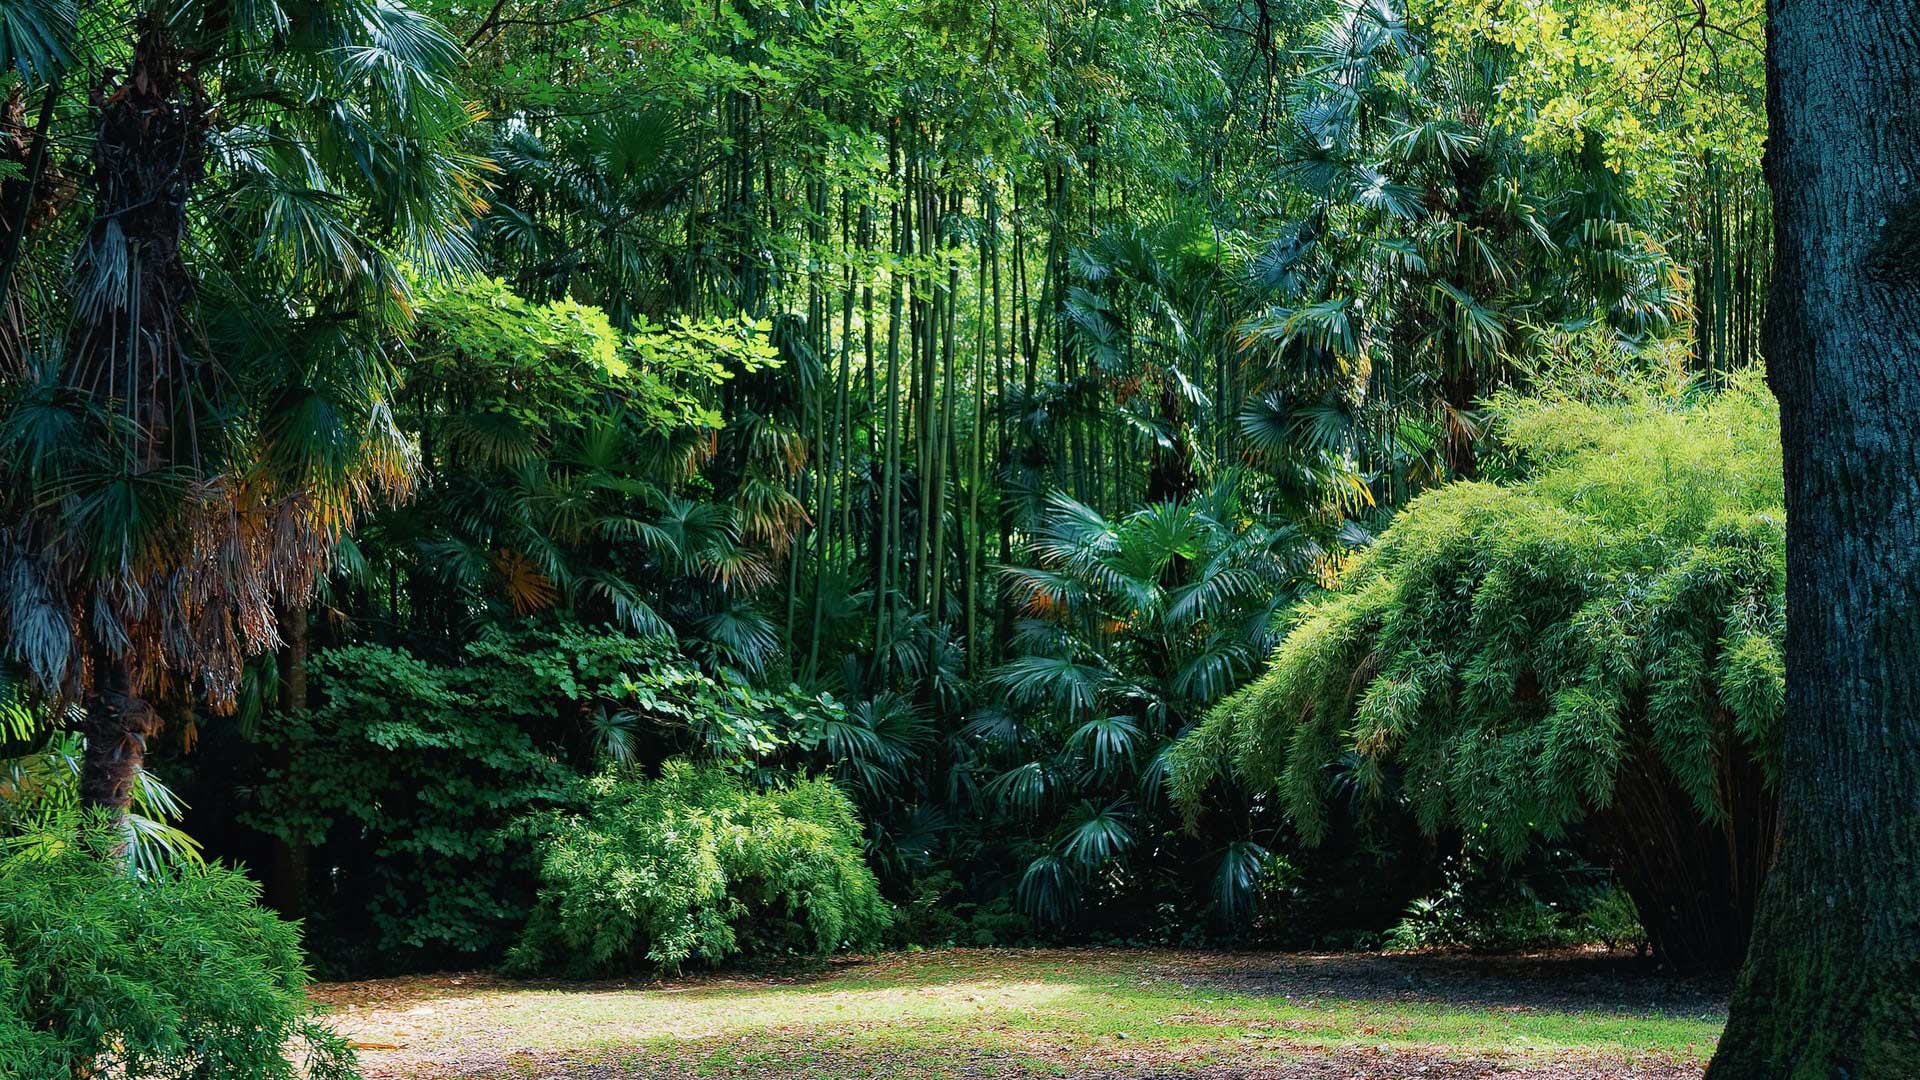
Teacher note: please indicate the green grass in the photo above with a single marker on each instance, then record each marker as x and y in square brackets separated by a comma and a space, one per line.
[940, 1014]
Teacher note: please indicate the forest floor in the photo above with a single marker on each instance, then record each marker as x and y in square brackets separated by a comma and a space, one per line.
[1072, 1014]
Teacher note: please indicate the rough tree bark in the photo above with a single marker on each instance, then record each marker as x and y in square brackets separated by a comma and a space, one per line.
[149, 152]
[117, 725]
[1832, 983]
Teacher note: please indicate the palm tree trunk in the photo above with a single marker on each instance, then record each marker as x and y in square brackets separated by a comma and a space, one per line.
[117, 724]
[148, 154]
[1458, 388]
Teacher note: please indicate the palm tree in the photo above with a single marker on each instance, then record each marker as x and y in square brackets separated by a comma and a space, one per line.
[582, 207]
[1130, 629]
[556, 458]
[194, 418]
[1149, 316]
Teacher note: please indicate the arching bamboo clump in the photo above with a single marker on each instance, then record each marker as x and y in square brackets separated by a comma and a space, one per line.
[1596, 643]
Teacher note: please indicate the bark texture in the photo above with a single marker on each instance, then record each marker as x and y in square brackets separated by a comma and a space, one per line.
[1832, 983]
[117, 725]
[149, 152]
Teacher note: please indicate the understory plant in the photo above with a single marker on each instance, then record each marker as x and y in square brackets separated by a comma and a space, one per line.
[696, 866]
[408, 778]
[167, 974]
[1128, 628]
[1550, 899]
[1589, 650]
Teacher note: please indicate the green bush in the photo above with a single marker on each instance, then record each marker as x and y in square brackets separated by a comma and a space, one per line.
[697, 867]
[1553, 899]
[413, 770]
[408, 776]
[1588, 651]
[175, 973]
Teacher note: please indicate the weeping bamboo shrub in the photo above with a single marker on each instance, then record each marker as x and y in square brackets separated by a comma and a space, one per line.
[1588, 652]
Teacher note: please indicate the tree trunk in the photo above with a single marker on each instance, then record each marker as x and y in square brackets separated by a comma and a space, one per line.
[287, 888]
[117, 724]
[1832, 983]
[1458, 387]
[1170, 475]
[148, 153]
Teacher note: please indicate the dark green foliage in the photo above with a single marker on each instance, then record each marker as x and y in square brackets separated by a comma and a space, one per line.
[696, 866]
[416, 768]
[1004, 371]
[1597, 639]
[174, 975]
[559, 467]
[1551, 900]
[1434, 246]
[409, 774]
[200, 285]
[940, 913]
[1128, 630]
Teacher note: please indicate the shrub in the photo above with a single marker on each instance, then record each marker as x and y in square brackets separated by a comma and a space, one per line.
[175, 973]
[697, 867]
[1593, 645]
[410, 773]
[1550, 900]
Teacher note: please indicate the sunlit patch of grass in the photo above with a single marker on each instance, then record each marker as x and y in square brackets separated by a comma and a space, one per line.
[946, 1013]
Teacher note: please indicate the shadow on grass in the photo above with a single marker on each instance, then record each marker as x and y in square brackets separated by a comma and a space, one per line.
[1574, 982]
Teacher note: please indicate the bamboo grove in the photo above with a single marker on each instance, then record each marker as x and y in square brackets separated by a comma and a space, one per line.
[1042, 250]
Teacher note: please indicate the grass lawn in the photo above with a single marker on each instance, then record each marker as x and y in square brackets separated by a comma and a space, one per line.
[1055, 1013]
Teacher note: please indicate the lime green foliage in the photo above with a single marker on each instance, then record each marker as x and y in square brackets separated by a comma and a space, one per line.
[174, 974]
[560, 460]
[1507, 649]
[954, 1014]
[420, 767]
[1614, 921]
[697, 866]
[1663, 82]
[532, 367]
